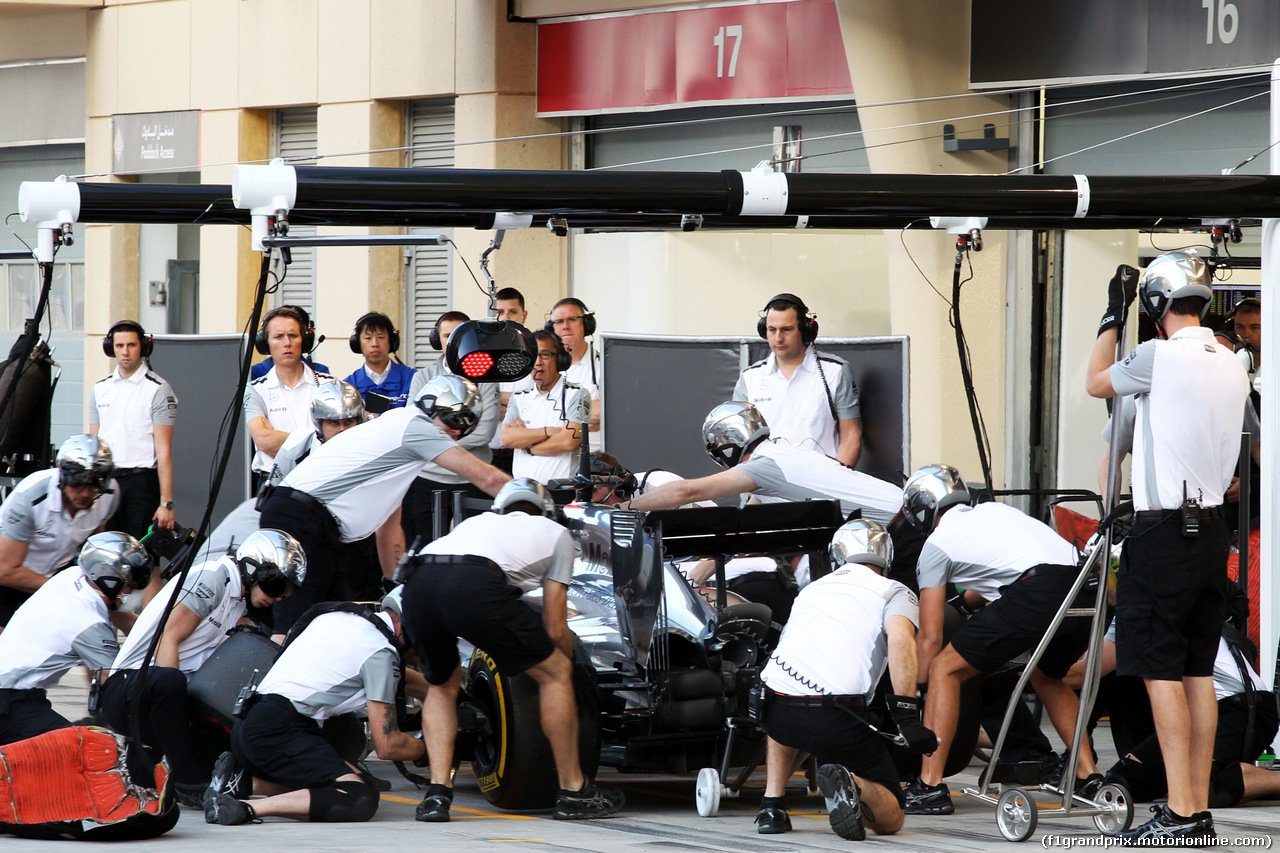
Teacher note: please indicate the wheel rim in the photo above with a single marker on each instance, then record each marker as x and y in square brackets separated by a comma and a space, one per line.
[1016, 815]
[707, 793]
[1117, 809]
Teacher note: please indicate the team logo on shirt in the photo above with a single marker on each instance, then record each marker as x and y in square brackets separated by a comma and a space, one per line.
[203, 591]
[1133, 353]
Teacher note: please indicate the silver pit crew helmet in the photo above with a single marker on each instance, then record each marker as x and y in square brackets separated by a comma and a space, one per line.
[85, 460]
[271, 560]
[1172, 276]
[862, 541]
[453, 399]
[731, 430]
[112, 561]
[393, 602]
[930, 491]
[335, 401]
[524, 490]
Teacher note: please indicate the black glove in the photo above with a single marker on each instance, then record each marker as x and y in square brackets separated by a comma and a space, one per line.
[905, 711]
[1120, 295]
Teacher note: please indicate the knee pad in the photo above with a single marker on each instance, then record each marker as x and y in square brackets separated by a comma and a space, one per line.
[344, 801]
[1227, 787]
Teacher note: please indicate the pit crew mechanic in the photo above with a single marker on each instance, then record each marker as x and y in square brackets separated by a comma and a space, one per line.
[1186, 399]
[352, 486]
[47, 518]
[341, 661]
[213, 600]
[468, 584]
[336, 406]
[63, 624]
[801, 394]
[134, 410]
[818, 702]
[1024, 570]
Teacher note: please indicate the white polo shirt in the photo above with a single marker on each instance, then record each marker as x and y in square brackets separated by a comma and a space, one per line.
[33, 513]
[847, 611]
[801, 408]
[985, 547]
[336, 665]
[214, 592]
[564, 403]
[586, 373]
[506, 388]
[1184, 408]
[286, 409]
[127, 411]
[63, 624]
[362, 474]
[478, 442]
[785, 472]
[526, 547]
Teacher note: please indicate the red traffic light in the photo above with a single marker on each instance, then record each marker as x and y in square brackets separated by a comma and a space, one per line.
[491, 351]
[476, 364]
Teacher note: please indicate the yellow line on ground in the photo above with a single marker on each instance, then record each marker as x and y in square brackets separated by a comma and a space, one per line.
[466, 812]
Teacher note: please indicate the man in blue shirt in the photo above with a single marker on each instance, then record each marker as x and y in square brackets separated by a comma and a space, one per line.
[376, 338]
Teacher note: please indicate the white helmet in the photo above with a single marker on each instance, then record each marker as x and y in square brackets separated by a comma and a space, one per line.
[1172, 276]
[453, 399]
[731, 430]
[336, 401]
[862, 541]
[85, 460]
[524, 490]
[111, 561]
[930, 491]
[394, 602]
[271, 560]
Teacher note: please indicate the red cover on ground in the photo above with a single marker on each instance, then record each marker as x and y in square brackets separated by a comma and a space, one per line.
[1074, 527]
[1255, 572]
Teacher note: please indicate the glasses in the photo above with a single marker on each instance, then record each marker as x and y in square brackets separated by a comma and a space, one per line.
[544, 355]
[564, 321]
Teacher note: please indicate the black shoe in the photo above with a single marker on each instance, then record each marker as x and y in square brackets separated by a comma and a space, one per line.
[191, 796]
[229, 778]
[926, 799]
[434, 807]
[588, 803]
[1168, 830]
[226, 810]
[772, 821]
[1051, 765]
[1089, 787]
[837, 785]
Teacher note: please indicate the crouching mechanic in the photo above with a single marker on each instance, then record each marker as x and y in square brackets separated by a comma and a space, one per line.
[266, 568]
[1023, 570]
[468, 584]
[817, 702]
[63, 624]
[341, 659]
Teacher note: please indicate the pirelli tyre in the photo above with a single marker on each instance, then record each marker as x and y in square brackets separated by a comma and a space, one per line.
[512, 759]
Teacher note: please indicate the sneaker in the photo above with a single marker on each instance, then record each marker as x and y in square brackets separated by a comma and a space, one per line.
[191, 796]
[226, 810]
[1089, 787]
[1166, 829]
[434, 807]
[229, 778]
[773, 821]
[588, 803]
[926, 799]
[837, 785]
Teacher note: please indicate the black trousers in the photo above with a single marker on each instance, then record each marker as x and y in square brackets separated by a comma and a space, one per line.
[27, 713]
[165, 726]
[10, 600]
[137, 498]
[325, 550]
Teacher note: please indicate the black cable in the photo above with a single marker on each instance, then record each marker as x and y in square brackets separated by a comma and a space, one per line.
[966, 372]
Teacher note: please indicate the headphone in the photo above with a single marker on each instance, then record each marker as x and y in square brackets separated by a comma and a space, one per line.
[109, 343]
[293, 312]
[393, 337]
[588, 317]
[564, 359]
[434, 337]
[808, 320]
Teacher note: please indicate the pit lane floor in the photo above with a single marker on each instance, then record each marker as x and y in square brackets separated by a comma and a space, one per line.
[660, 815]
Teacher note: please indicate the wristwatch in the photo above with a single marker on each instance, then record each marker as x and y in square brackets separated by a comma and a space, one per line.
[167, 505]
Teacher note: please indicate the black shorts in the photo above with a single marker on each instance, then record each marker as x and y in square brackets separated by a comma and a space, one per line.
[276, 743]
[1171, 599]
[1017, 621]
[26, 714]
[445, 602]
[835, 736]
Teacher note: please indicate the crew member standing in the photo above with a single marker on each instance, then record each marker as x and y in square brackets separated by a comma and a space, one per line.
[49, 515]
[573, 324]
[544, 421]
[803, 395]
[1183, 401]
[134, 411]
[377, 339]
[508, 304]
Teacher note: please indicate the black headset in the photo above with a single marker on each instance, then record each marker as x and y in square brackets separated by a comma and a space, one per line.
[393, 336]
[109, 342]
[588, 317]
[434, 337]
[808, 320]
[564, 359]
[293, 312]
